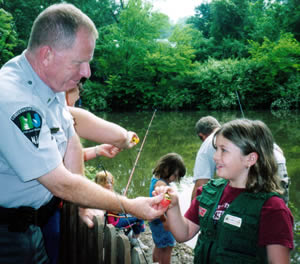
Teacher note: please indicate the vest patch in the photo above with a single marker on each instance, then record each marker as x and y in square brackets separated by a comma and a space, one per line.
[202, 211]
[29, 122]
[233, 220]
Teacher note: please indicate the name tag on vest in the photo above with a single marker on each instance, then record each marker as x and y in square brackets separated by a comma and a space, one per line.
[233, 220]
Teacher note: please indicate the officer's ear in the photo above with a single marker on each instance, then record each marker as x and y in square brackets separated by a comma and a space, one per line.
[46, 55]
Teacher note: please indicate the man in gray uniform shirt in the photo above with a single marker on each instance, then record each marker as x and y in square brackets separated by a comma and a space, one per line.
[40, 152]
[205, 167]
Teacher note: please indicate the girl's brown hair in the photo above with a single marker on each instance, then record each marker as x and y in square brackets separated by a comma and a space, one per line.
[101, 177]
[254, 136]
[168, 164]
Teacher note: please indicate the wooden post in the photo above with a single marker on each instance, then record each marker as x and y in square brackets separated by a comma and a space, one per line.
[99, 230]
[73, 235]
[81, 242]
[110, 249]
[137, 256]
[97, 245]
[123, 247]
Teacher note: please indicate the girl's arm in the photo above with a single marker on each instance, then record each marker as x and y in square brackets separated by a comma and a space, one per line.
[106, 150]
[91, 127]
[278, 254]
[180, 227]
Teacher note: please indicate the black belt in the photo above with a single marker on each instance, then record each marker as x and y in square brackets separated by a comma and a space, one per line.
[19, 219]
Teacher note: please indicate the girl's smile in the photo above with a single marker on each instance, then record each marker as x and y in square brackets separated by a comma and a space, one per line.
[231, 164]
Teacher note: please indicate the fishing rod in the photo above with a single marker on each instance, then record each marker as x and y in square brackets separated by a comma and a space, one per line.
[139, 153]
[241, 108]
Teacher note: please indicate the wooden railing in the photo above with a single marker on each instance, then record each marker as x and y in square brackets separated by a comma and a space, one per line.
[100, 244]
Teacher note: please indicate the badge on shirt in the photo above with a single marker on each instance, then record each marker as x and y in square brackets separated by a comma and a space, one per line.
[202, 211]
[233, 220]
[29, 122]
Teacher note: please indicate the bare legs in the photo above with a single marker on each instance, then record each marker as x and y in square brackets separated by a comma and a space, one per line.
[162, 255]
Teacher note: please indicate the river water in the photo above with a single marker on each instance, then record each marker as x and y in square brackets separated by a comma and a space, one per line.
[174, 132]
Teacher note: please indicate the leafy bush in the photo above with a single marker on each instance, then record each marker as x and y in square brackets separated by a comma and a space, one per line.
[8, 36]
[90, 172]
[280, 67]
[221, 84]
[94, 96]
[280, 57]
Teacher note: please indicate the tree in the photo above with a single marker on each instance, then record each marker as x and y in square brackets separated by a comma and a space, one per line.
[291, 18]
[24, 13]
[120, 53]
[202, 19]
[280, 66]
[8, 36]
[104, 12]
[228, 19]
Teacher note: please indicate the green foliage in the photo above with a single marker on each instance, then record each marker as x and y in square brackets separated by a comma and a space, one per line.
[280, 63]
[24, 12]
[263, 22]
[291, 18]
[90, 172]
[229, 46]
[228, 18]
[104, 12]
[218, 82]
[138, 69]
[279, 56]
[214, 84]
[8, 37]
[94, 96]
[270, 79]
[202, 19]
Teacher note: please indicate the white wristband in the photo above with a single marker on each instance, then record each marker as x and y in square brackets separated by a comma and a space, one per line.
[97, 151]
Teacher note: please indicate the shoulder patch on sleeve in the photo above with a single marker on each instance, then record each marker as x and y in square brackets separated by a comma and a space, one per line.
[29, 121]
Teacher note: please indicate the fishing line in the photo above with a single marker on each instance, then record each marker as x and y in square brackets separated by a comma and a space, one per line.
[241, 108]
[130, 227]
[139, 153]
[100, 166]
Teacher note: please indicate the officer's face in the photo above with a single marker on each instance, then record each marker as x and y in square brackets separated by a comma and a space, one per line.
[67, 67]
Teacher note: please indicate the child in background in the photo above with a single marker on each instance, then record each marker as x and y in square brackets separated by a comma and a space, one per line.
[242, 217]
[137, 226]
[169, 168]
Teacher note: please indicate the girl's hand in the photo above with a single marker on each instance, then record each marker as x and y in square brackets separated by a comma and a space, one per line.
[145, 207]
[107, 150]
[170, 200]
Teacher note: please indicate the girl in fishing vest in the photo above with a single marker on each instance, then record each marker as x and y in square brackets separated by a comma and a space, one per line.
[241, 216]
[169, 168]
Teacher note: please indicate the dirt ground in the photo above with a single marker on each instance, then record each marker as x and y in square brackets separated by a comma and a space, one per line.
[181, 253]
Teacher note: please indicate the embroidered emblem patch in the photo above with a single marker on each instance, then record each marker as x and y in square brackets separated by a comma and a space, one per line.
[29, 122]
[202, 211]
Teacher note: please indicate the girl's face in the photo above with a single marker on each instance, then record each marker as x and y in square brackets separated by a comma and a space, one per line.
[109, 183]
[231, 164]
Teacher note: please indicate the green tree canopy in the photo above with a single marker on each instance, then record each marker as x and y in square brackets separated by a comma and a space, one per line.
[8, 36]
